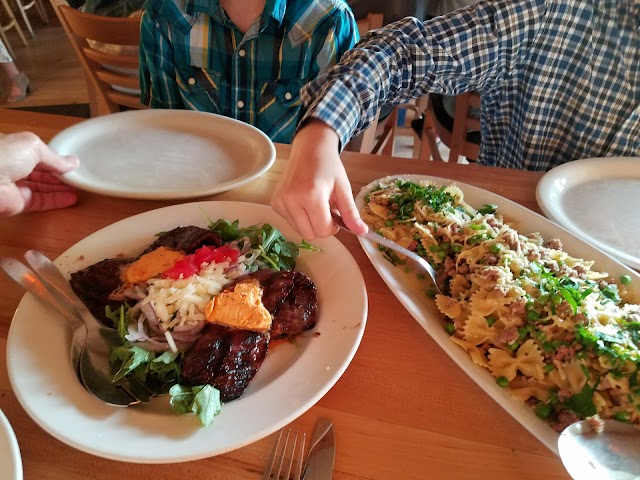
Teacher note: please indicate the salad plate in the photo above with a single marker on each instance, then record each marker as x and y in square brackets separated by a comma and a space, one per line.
[424, 310]
[597, 198]
[10, 460]
[164, 154]
[293, 377]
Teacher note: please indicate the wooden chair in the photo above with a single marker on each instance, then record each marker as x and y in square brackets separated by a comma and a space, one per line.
[112, 78]
[365, 141]
[461, 134]
[12, 23]
[39, 8]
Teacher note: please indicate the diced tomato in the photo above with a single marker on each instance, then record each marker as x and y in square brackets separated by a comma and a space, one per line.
[184, 267]
[190, 265]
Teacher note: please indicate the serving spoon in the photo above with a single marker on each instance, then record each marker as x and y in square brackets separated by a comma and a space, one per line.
[416, 259]
[613, 453]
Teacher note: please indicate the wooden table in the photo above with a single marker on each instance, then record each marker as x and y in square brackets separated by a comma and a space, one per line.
[402, 410]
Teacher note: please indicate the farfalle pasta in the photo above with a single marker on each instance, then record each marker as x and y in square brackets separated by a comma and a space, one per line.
[554, 332]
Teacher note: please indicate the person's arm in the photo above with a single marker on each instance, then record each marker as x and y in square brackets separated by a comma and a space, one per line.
[158, 85]
[470, 49]
[27, 175]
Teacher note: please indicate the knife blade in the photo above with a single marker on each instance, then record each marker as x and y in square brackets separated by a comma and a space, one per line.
[321, 453]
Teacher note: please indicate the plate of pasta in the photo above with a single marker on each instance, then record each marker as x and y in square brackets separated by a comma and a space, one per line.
[543, 322]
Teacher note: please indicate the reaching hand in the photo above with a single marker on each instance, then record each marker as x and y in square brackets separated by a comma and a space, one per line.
[314, 182]
[27, 180]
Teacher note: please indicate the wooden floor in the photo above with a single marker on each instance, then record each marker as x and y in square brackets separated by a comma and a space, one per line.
[50, 63]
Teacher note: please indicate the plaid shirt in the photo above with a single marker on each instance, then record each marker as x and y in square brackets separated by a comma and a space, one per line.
[559, 79]
[193, 57]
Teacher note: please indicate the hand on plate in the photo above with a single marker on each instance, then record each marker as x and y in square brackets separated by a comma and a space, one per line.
[27, 175]
[314, 182]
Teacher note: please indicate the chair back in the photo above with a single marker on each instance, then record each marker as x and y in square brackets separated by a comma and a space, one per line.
[107, 48]
[457, 137]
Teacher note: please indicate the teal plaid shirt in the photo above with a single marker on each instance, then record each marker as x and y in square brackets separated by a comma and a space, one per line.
[193, 57]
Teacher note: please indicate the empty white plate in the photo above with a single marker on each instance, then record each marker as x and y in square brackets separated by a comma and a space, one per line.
[599, 200]
[164, 154]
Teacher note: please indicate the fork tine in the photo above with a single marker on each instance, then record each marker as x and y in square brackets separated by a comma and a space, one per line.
[272, 458]
[298, 472]
[284, 455]
[293, 451]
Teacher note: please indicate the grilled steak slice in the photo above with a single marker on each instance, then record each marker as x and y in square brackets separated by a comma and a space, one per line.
[291, 299]
[94, 284]
[227, 359]
[299, 310]
[186, 239]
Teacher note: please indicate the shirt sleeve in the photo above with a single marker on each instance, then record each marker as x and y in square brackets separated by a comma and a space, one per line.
[158, 84]
[470, 49]
[341, 36]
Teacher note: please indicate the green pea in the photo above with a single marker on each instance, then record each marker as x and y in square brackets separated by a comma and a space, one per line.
[450, 328]
[543, 410]
[491, 320]
[456, 248]
[532, 315]
[502, 381]
[434, 248]
[495, 248]
[625, 279]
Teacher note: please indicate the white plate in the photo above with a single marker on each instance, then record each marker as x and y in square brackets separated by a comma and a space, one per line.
[599, 200]
[294, 376]
[164, 154]
[424, 309]
[10, 461]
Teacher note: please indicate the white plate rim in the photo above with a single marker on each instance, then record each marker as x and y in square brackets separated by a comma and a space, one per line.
[136, 117]
[427, 315]
[12, 461]
[74, 404]
[574, 173]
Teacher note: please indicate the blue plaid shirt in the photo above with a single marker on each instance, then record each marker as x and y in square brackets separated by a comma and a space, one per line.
[559, 79]
[193, 57]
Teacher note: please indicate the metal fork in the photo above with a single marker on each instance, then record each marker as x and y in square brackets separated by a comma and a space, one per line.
[416, 259]
[285, 456]
[91, 342]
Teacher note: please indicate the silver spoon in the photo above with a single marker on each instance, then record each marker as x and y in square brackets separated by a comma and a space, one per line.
[420, 262]
[611, 454]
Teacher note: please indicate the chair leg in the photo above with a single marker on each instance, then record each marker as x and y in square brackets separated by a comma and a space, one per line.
[23, 12]
[13, 23]
[42, 12]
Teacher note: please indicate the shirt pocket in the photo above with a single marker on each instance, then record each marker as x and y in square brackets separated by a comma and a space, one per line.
[279, 108]
[200, 89]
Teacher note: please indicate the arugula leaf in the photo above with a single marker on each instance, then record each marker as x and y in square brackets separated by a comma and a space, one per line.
[275, 250]
[130, 357]
[203, 400]
[120, 318]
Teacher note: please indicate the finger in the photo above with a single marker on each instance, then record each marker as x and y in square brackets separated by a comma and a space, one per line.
[53, 160]
[12, 200]
[297, 217]
[72, 160]
[44, 187]
[343, 201]
[49, 200]
[44, 177]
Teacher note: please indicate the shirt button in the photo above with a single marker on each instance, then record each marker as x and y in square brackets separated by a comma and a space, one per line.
[240, 104]
[242, 52]
[192, 81]
[288, 96]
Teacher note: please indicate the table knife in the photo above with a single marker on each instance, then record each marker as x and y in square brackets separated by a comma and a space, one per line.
[321, 453]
